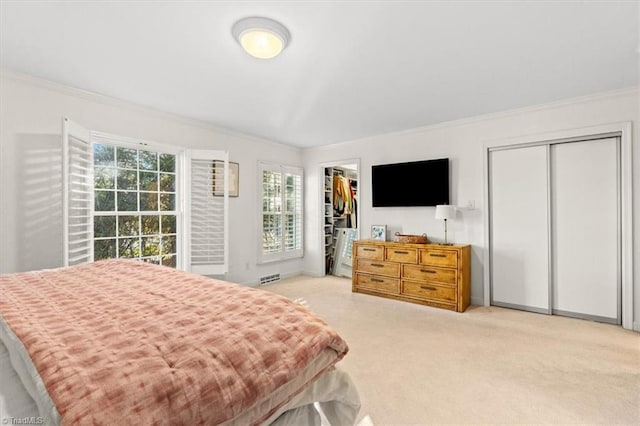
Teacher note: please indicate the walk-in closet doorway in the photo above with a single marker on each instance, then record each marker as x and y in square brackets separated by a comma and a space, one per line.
[340, 215]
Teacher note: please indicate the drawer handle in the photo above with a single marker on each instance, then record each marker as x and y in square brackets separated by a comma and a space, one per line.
[437, 255]
[424, 287]
[368, 249]
[400, 252]
[377, 265]
[428, 271]
[377, 280]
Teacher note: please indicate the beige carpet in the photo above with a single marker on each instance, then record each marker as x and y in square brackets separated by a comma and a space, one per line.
[419, 365]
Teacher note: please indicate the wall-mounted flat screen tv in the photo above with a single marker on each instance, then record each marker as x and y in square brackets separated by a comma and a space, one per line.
[418, 183]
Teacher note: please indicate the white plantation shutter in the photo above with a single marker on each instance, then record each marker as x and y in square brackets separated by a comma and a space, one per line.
[292, 184]
[77, 172]
[206, 212]
[281, 212]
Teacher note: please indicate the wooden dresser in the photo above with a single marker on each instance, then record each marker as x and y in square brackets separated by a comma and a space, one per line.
[429, 274]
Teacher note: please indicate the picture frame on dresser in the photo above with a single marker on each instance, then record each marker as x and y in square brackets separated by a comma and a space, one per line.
[379, 232]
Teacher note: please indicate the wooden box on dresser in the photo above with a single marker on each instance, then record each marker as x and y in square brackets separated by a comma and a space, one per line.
[429, 274]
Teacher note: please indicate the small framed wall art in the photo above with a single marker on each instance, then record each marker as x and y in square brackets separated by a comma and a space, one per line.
[379, 232]
[234, 173]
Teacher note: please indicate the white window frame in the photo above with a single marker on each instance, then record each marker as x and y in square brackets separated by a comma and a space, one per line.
[283, 254]
[127, 142]
[78, 195]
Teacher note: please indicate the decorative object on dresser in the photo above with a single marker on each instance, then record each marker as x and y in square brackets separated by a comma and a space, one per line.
[406, 238]
[379, 232]
[445, 212]
[428, 274]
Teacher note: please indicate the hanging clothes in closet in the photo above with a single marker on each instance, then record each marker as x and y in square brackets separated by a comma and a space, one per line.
[354, 198]
[344, 200]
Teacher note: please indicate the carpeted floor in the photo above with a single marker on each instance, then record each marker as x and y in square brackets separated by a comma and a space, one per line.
[419, 365]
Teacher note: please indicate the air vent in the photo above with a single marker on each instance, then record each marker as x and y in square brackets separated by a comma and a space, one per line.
[267, 279]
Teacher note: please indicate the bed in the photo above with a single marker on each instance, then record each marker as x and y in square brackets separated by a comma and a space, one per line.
[122, 341]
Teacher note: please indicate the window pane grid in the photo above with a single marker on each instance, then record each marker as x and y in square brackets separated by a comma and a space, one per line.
[131, 221]
[282, 220]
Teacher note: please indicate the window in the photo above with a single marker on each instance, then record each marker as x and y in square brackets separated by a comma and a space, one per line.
[124, 198]
[134, 204]
[281, 214]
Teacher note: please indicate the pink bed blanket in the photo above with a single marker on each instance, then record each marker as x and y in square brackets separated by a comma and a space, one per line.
[122, 341]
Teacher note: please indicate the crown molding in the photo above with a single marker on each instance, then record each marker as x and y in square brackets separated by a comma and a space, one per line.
[132, 106]
[627, 91]
[111, 101]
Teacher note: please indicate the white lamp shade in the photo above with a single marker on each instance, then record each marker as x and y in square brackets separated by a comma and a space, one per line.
[445, 211]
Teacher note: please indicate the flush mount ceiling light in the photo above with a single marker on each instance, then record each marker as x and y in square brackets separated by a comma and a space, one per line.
[261, 38]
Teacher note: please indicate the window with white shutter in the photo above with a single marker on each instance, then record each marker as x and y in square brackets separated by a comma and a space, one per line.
[206, 218]
[77, 198]
[281, 212]
[124, 198]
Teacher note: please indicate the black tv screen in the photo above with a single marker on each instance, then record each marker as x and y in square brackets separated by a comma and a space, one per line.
[418, 183]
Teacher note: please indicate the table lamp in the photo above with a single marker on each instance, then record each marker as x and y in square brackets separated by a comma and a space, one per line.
[445, 211]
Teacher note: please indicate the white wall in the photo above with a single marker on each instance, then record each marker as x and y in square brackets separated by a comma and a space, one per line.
[31, 111]
[462, 141]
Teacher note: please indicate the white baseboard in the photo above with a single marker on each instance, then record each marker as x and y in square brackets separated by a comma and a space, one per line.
[636, 326]
[312, 274]
[291, 274]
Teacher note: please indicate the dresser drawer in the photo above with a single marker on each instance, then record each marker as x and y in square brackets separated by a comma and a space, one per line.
[407, 255]
[436, 257]
[377, 283]
[370, 252]
[438, 304]
[429, 273]
[428, 291]
[378, 267]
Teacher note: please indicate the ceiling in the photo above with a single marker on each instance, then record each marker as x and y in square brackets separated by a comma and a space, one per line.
[352, 69]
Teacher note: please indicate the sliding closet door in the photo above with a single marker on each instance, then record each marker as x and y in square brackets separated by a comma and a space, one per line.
[519, 228]
[585, 229]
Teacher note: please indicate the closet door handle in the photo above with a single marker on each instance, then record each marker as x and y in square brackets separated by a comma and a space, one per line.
[424, 287]
[428, 271]
[437, 255]
[368, 249]
[377, 265]
[400, 252]
[377, 280]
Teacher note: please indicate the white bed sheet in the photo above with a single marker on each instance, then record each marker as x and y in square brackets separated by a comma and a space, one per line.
[23, 394]
[15, 402]
[330, 400]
